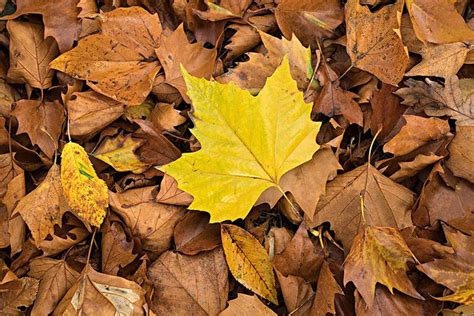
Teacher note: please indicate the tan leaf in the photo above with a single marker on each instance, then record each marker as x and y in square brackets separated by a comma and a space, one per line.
[417, 132]
[42, 121]
[56, 277]
[440, 60]
[8, 170]
[379, 255]
[436, 100]
[150, 221]
[30, 55]
[89, 112]
[194, 234]
[94, 291]
[328, 287]
[185, 285]
[8, 94]
[175, 50]
[411, 168]
[165, 117]
[246, 305]
[120, 62]
[386, 203]
[297, 293]
[438, 21]
[60, 22]
[170, 194]
[252, 75]
[301, 257]
[116, 249]
[373, 40]
[119, 152]
[455, 271]
[461, 153]
[309, 19]
[248, 261]
[44, 207]
[17, 294]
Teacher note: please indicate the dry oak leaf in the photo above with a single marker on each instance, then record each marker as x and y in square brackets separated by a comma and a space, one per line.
[374, 42]
[44, 207]
[18, 294]
[440, 60]
[30, 55]
[456, 270]
[260, 139]
[417, 132]
[60, 21]
[437, 21]
[89, 112]
[42, 121]
[247, 305]
[119, 152]
[56, 277]
[175, 50]
[379, 255]
[153, 223]
[461, 153]
[94, 291]
[309, 19]
[386, 203]
[248, 261]
[436, 100]
[189, 285]
[120, 62]
[87, 195]
[251, 75]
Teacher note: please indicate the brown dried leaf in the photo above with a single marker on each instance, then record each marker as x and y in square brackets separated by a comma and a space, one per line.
[246, 305]
[379, 255]
[196, 285]
[116, 248]
[165, 117]
[461, 153]
[328, 287]
[17, 294]
[56, 277]
[30, 55]
[170, 194]
[297, 293]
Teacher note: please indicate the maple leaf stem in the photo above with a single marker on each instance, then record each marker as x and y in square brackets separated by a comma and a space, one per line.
[287, 199]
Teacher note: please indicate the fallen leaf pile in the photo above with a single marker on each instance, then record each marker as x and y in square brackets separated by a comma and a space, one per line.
[224, 157]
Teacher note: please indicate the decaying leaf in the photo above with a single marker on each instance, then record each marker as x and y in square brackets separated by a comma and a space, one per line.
[379, 255]
[95, 291]
[18, 294]
[86, 194]
[119, 152]
[248, 261]
[245, 161]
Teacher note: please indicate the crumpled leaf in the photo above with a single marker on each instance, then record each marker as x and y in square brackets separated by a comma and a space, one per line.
[248, 156]
[436, 100]
[386, 203]
[87, 195]
[17, 294]
[120, 62]
[374, 42]
[455, 271]
[379, 255]
[56, 277]
[248, 261]
[94, 291]
[42, 121]
[189, 285]
[119, 152]
[30, 55]
[44, 207]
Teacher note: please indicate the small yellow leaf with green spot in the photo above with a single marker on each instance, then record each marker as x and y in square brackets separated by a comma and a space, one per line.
[87, 195]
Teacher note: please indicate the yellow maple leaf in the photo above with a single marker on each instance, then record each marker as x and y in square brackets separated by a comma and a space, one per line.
[247, 143]
[87, 195]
